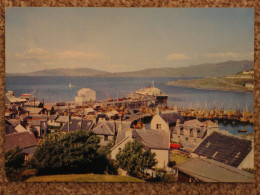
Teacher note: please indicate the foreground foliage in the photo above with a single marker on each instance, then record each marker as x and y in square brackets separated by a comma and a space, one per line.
[14, 160]
[73, 152]
[133, 158]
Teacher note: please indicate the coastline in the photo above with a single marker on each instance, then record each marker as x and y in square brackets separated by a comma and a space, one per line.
[210, 83]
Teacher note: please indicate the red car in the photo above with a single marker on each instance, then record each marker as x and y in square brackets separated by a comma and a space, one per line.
[175, 145]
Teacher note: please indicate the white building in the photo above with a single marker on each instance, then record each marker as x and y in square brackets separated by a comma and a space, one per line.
[85, 95]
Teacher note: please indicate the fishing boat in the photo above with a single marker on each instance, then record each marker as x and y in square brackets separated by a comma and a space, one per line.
[242, 131]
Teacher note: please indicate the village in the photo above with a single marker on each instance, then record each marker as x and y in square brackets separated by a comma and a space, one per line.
[188, 143]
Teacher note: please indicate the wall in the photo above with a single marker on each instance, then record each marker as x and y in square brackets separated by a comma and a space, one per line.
[248, 162]
[162, 156]
[157, 119]
[102, 139]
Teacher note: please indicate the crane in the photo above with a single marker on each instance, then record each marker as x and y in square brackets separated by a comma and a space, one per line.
[108, 97]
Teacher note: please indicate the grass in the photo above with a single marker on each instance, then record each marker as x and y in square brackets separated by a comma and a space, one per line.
[177, 158]
[83, 178]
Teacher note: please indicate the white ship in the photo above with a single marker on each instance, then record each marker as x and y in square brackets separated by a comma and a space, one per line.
[150, 92]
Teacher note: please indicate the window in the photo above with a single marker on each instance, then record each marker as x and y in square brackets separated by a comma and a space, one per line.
[158, 126]
[119, 149]
[186, 138]
[106, 137]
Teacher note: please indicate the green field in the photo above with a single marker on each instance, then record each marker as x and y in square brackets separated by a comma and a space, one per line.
[177, 158]
[83, 178]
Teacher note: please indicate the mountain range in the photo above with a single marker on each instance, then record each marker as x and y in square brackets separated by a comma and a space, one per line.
[201, 70]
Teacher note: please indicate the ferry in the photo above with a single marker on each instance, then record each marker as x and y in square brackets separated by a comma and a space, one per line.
[150, 92]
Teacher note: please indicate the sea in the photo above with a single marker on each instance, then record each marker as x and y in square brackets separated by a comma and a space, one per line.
[56, 89]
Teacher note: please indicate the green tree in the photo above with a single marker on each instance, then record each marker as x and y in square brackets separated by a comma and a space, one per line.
[133, 158]
[67, 153]
[14, 160]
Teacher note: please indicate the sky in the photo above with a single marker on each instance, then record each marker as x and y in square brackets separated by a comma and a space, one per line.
[125, 39]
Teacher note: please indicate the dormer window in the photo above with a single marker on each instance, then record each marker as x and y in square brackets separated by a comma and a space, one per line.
[237, 155]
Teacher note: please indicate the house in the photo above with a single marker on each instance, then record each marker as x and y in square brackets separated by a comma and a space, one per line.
[105, 131]
[112, 115]
[25, 140]
[85, 95]
[90, 111]
[156, 141]
[38, 126]
[227, 149]
[62, 120]
[35, 110]
[77, 124]
[12, 100]
[191, 132]
[49, 109]
[165, 121]
[209, 170]
[9, 127]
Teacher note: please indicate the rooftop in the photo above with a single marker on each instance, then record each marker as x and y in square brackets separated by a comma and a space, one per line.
[208, 170]
[22, 139]
[227, 149]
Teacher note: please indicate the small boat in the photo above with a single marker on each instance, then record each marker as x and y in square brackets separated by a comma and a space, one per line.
[242, 130]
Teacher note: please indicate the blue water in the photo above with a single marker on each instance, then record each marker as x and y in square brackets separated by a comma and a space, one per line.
[55, 89]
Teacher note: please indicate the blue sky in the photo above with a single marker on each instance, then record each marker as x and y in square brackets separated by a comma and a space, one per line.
[125, 39]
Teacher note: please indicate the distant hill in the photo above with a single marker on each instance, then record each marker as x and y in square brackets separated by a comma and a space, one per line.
[202, 70]
[61, 72]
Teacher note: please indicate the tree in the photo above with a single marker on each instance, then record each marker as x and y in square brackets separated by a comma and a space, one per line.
[72, 152]
[14, 160]
[133, 158]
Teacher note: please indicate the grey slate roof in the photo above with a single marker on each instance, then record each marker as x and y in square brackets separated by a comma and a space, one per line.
[62, 119]
[172, 117]
[227, 149]
[153, 139]
[22, 139]
[103, 129]
[208, 170]
[78, 124]
[33, 110]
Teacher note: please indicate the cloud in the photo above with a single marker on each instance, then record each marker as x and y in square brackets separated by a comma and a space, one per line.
[178, 57]
[41, 54]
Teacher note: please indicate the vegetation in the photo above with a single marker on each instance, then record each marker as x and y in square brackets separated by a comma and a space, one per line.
[73, 152]
[83, 178]
[134, 159]
[215, 83]
[14, 160]
[177, 158]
